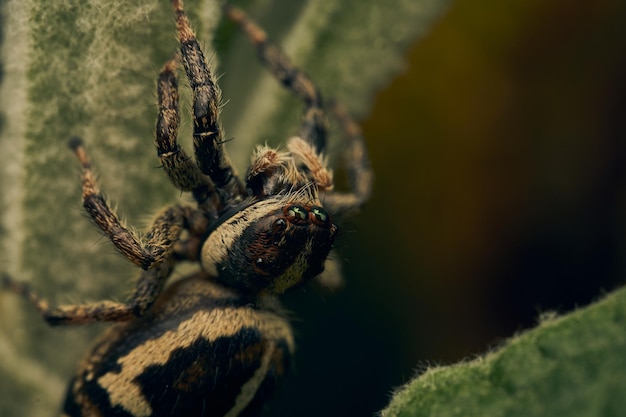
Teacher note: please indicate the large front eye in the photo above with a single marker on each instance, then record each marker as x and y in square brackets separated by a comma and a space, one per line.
[320, 216]
[297, 214]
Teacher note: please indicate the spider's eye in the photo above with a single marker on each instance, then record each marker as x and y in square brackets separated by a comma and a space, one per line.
[262, 264]
[278, 229]
[279, 225]
[297, 214]
[319, 216]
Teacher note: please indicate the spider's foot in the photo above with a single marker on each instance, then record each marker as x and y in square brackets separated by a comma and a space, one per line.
[74, 143]
[238, 16]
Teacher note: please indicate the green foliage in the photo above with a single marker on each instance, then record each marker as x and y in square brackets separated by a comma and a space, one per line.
[568, 366]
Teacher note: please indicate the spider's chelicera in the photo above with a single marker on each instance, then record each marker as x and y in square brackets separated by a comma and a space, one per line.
[212, 343]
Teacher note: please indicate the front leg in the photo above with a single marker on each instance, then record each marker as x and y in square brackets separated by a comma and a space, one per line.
[165, 231]
[182, 170]
[208, 136]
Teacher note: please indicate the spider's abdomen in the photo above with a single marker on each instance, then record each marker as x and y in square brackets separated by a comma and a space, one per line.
[202, 351]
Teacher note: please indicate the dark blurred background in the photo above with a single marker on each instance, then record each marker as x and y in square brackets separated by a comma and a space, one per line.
[500, 195]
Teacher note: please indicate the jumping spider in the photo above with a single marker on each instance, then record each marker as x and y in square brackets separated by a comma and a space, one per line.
[213, 343]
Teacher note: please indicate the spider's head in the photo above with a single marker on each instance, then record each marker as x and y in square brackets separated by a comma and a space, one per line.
[270, 245]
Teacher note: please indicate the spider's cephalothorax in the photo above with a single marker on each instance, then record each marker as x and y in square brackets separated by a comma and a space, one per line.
[269, 246]
[212, 343]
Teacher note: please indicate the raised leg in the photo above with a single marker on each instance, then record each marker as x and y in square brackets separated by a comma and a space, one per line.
[314, 125]
[179, 167]
[164, 232]
[148, 287]
[207, 133]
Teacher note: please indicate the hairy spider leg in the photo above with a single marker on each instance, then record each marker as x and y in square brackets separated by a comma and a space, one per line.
[357, 163]
[157, 256]
[148, 288]
[207, 133]
[164, 232]
[182, 170]
[314, 125]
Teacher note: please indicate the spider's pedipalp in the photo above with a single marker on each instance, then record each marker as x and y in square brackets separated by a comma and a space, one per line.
[207, 132]
[315, 164]
[267, 163]
[314, 126]
[179, 167]
[265, 160]
[273, 172]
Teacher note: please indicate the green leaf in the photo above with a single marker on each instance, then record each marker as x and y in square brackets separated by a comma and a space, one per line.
[89, 69]
[568, 366]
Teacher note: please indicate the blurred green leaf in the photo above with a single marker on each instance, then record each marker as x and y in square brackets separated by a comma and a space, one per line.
[568, 366]
[89, 69]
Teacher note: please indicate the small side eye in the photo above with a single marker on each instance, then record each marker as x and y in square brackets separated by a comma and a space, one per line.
[297, 213]
[319, 216]
[262, 264]
[279, 225]
[278, 229]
